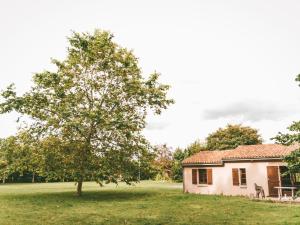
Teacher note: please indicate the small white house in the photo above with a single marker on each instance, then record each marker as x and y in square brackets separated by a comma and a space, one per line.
[234, 172]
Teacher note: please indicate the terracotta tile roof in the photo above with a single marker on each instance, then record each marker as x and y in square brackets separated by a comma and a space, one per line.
[206, 157]
[242, 152]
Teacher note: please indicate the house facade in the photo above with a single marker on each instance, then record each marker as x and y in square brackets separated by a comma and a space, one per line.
[234, 172]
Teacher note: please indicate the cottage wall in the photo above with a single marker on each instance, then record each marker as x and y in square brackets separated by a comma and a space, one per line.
[256, 172]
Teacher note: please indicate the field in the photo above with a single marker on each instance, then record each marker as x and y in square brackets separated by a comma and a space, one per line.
[145, 203]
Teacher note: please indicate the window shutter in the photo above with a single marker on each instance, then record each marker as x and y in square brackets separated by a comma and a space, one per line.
[235, 177]
[209, 176]
[194, 176]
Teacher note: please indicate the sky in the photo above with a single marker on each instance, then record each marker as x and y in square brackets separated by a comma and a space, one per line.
[226, 61]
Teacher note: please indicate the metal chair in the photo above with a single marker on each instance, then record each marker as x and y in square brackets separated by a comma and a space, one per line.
[259, 191]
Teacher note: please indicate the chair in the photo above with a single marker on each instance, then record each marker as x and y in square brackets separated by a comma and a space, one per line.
[259, 191]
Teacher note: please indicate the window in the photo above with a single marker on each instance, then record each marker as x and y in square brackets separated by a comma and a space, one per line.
[239, 176]
[243, 178]
[202, 176]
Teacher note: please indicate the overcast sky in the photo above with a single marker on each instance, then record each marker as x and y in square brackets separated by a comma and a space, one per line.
[227, 61]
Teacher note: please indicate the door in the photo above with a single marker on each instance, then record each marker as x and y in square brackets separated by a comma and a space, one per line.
[273, 180]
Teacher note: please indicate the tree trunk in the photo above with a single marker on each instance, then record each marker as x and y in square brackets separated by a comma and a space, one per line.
[79, 187]
[3, 181]
[33, 175]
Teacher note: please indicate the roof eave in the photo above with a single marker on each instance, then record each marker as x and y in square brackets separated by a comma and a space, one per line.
[233, 160]
[201, 164]
[253, 159]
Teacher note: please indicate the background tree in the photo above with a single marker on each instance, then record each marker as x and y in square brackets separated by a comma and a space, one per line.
[146, 164]
[7, 156]
[194, 148]
[177, 171]
[232, 136]
[291, 138]
[19, 155]
[96, 102]
[163, 162]
[3, 161]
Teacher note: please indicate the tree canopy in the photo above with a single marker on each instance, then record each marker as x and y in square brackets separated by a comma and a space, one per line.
[95, 103]
[194, 148]
[232, 136]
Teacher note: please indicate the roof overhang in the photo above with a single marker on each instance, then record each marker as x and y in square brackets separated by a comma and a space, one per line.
[254, 159]
[274, 159]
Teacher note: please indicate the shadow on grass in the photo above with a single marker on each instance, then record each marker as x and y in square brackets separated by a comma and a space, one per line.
[88, 196]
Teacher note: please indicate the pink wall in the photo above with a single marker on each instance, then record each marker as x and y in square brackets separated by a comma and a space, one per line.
[256, 172]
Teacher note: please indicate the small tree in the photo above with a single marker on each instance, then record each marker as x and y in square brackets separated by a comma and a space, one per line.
[232, 136]
[3, 161]
[7, 156]
[177, 171]
[96, 102]
[293, 165]
[292, 160]
[163, 162]
[194, 148]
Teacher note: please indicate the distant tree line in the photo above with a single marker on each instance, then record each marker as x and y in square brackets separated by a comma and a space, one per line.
[25, 158]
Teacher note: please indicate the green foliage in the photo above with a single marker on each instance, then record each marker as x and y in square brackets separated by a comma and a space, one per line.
[292, 160]
[289, 138]
[194, 148]
[20, 154]
[293, 164]
[163, 162]
[56, 159]
[179, 155]
[96, 102]
[232, 136]
[177, 171]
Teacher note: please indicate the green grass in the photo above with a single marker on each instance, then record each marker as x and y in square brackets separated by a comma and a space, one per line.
[145, 203]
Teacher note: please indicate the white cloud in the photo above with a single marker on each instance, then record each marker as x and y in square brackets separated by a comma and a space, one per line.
[252, 110]
[156, 125]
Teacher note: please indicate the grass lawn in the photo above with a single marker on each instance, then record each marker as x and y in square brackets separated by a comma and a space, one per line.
[145, 203]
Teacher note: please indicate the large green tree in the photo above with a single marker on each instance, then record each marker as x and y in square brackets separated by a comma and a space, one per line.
[96, 102]
[232, 136]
